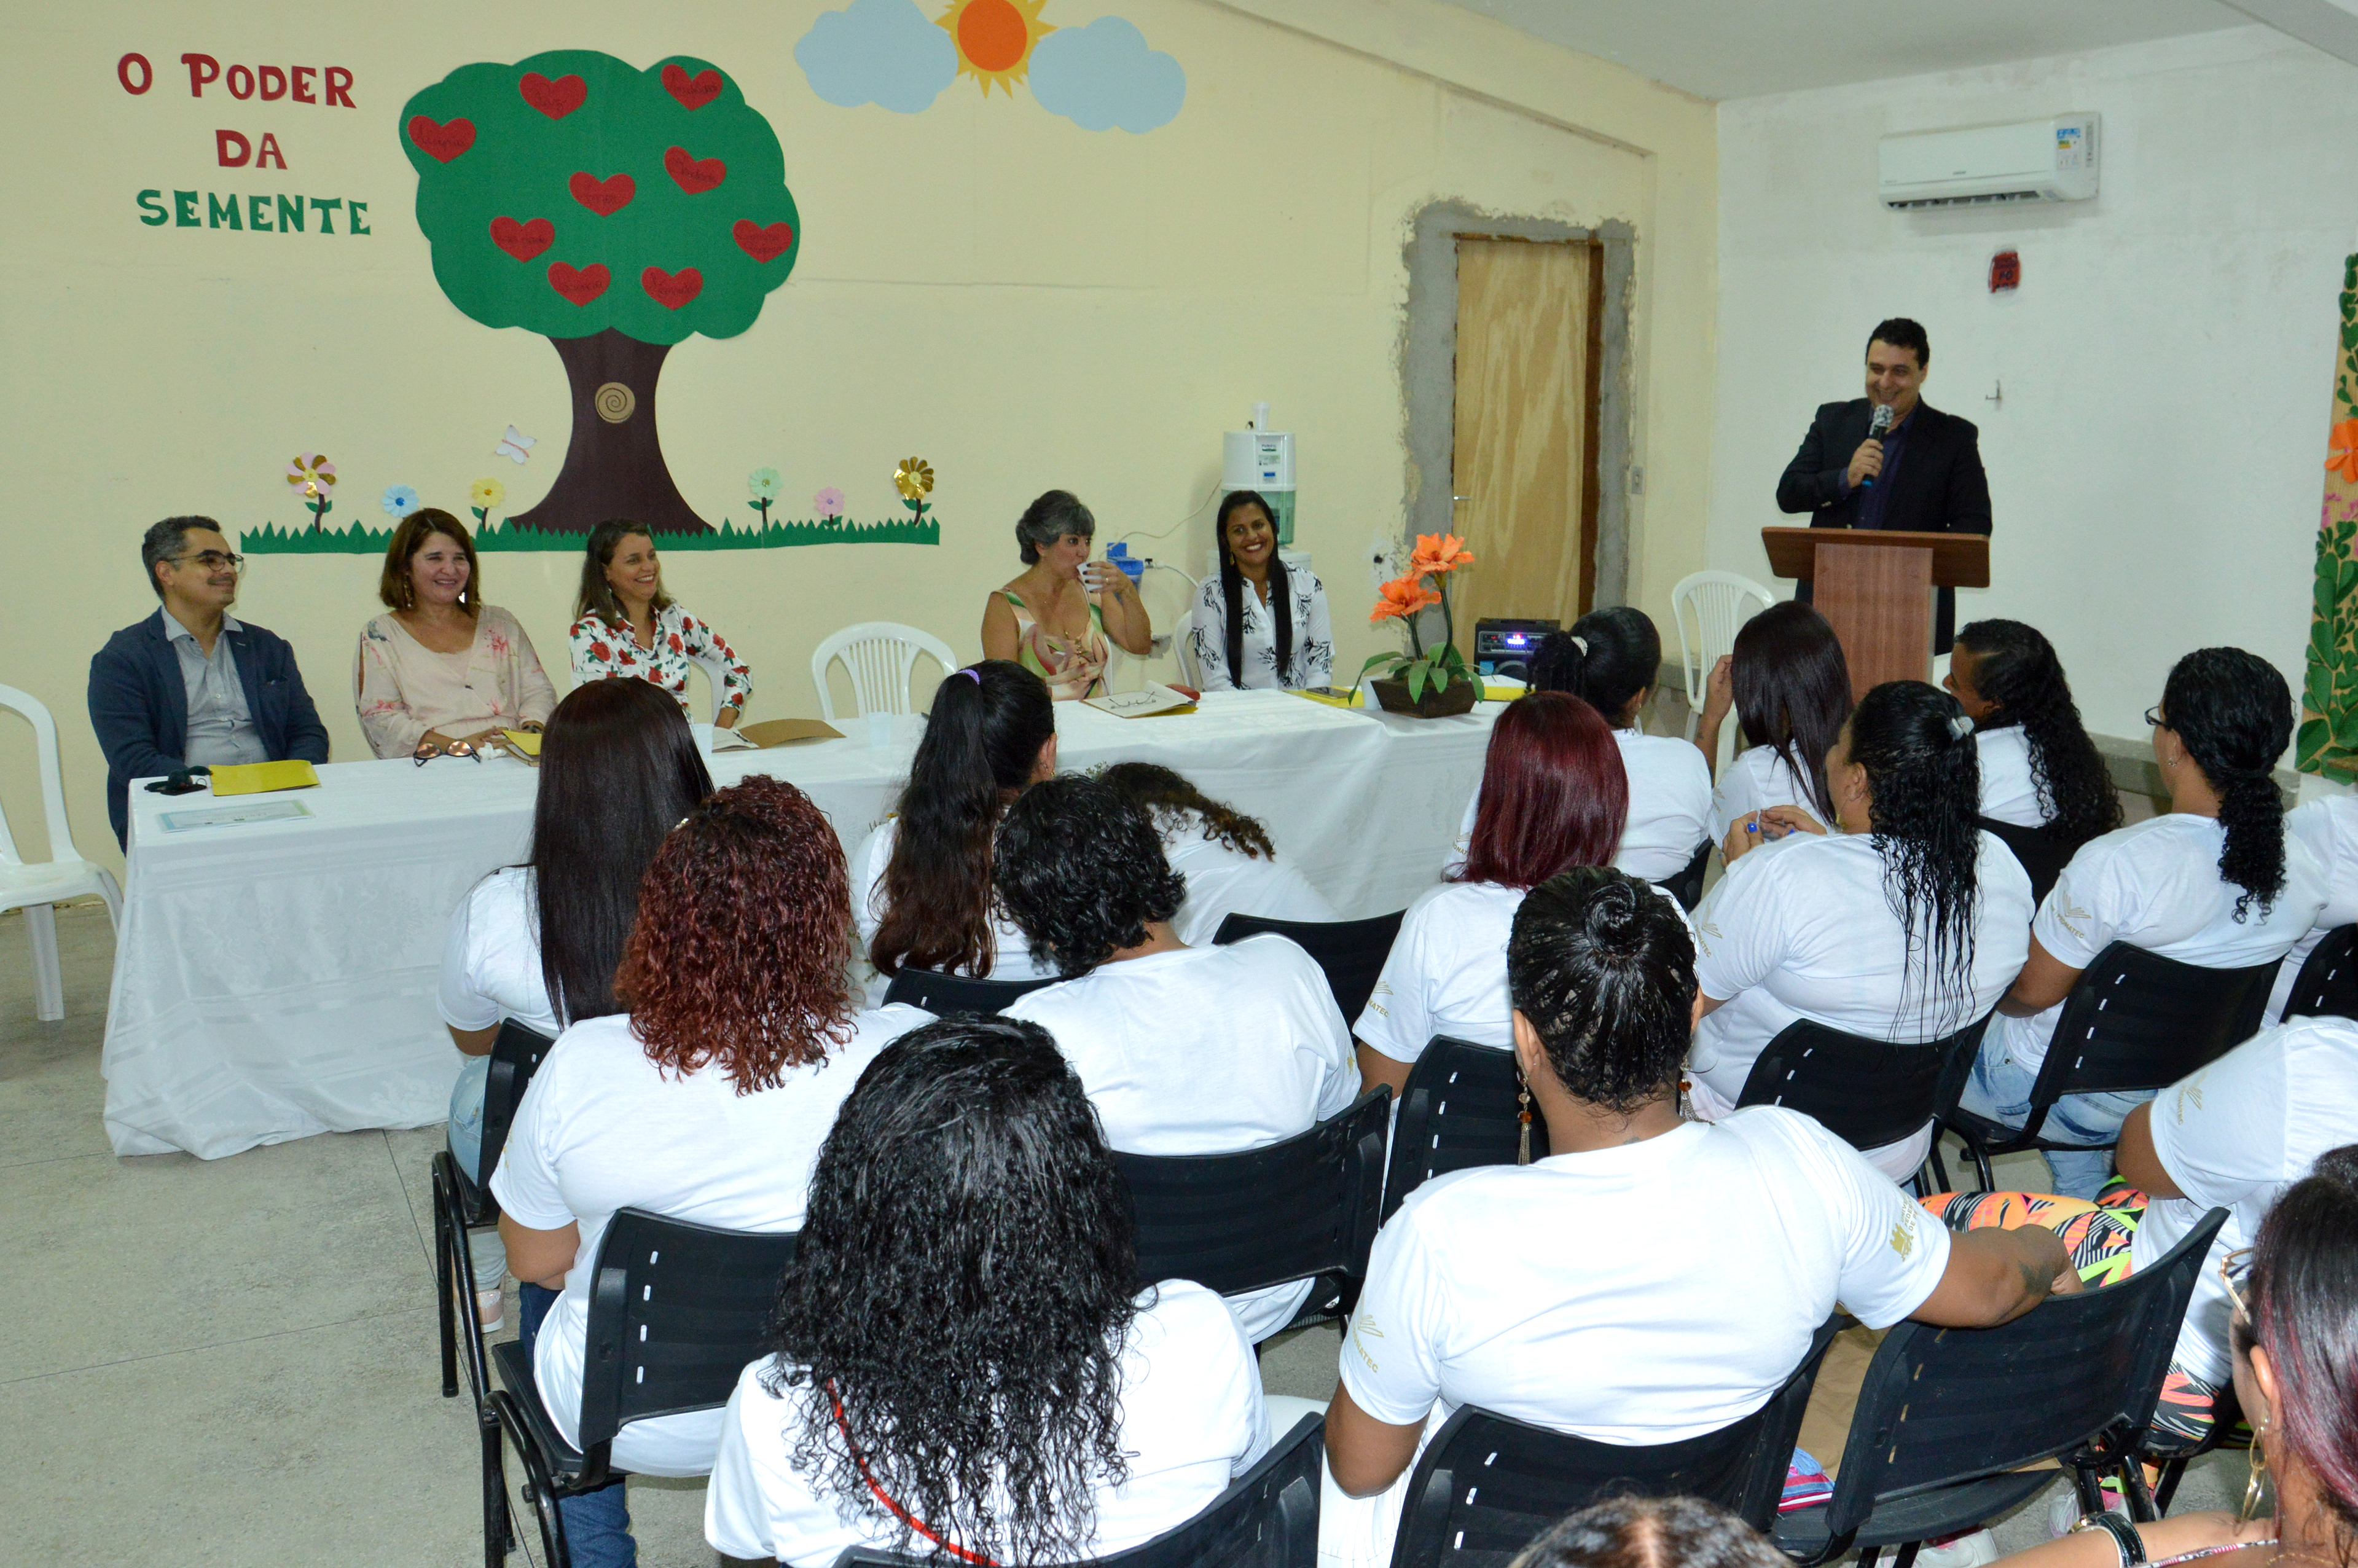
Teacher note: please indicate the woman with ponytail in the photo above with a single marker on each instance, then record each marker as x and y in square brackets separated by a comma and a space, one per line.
[2039, 767]
[920, 881]
[1906, 925]
[1258, 623]
[2215, 881]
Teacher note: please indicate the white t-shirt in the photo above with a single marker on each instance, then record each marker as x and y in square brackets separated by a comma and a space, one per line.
[603, 1128]
[2329, 829]
[1191, 1422]
[1206, 1051]
[2235, 1136]
[1010, 948]
[490, 964]
[2156, 884]
[1222, 882]
[2009, 793]
[1670, 808]
[1612, 1332]
[1809, 932]
[1757, 778]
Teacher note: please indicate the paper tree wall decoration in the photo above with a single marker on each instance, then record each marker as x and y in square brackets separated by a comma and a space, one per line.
[617, 213]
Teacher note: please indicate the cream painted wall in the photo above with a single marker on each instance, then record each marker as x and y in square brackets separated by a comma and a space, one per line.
[2166, 363]
[1024, 303]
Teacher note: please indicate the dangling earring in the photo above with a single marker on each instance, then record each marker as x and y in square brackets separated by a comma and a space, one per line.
[1524, 1098]
[2252, 1487]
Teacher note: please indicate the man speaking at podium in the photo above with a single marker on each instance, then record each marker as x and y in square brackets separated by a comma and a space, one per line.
[1891, 460]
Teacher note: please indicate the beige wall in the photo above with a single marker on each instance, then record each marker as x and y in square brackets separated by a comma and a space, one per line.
[1024, 303]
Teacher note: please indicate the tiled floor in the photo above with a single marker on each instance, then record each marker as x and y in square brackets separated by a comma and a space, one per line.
[232, 1362]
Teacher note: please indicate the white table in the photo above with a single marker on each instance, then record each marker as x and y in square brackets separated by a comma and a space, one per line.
[276, 980]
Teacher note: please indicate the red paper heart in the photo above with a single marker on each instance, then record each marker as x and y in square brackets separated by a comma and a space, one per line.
[696, 176]
[693, 91]
[523, 241]
[581, 287]
[441, 143]
[603, 197]
[671, 290]
[763, 245]
[554, 98]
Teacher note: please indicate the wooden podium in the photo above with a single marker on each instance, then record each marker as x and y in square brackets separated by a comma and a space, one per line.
[1875, 586]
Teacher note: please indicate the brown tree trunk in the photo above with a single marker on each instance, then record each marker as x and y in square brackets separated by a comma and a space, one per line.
[615, 466]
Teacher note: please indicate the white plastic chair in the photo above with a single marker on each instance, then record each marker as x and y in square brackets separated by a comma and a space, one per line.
[1183, 650]
[34, 888]
[1718, 603]
[878, 654]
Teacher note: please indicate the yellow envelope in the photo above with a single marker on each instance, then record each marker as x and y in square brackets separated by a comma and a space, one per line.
[525, 740]
[259, 778]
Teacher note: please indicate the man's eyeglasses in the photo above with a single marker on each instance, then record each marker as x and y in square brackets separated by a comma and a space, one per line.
[213, 560]
[2153, 717]
[2234, 1269]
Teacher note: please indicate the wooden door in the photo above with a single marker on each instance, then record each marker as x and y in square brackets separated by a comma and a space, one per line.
[1524, 460]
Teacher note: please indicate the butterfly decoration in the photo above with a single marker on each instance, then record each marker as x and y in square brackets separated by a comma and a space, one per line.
[515, 445]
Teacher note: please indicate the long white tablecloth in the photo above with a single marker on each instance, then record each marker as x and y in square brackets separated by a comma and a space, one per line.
[276, 980]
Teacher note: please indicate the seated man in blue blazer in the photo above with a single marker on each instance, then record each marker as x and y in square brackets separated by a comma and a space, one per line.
[191, 686]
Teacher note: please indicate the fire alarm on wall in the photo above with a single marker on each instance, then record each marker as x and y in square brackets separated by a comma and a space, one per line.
[2005, 270]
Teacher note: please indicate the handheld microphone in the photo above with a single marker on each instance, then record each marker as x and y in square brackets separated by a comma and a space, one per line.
[1876, 426]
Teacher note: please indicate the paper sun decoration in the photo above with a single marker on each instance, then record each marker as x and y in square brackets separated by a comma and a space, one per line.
[313, 477]
[486, 493]
[915, 480]
[994, 40]
[399, 501]
[762, 484]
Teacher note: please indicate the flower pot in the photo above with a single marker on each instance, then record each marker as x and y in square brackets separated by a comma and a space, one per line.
[1459, 697]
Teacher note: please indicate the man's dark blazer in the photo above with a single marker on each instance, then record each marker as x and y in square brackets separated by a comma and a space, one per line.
[139, 706]
[1940, 488]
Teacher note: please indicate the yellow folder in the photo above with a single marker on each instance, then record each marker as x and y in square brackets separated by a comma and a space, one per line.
[525, 740]
[258, 778]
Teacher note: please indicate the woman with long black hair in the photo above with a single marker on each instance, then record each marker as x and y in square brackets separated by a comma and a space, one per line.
[1905, 924]
[2039, 767]
[1258, 623]
[2215, 881]
[1788, 686]
[963, 1366]
[920, 881]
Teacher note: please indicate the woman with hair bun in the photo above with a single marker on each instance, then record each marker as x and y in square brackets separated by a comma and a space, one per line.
[920, 880]
[962, 1365]
[1788, 686]
[1057, 618]
[1906, 925]
[1651, 1532]
[2039, 767]
[707, 1101]
[2215, 881]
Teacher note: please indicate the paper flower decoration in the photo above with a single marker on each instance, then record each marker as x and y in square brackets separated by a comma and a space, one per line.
[486, 493]
[762, 484]
[2341, 451]
[828, 504]
[915, 480]
[399, 501]
[313, 477]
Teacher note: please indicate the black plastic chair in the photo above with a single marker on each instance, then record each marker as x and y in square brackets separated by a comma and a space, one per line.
[1458, 1109]
[2135, 1022]
[1486, 1484]
[1351, 952]
[1948, 1418]
[516, 1055]
[958, 996]
[1302, 1208]
[1267, 1519]
[2042, 852]
[1687, 885]
[676, 1310]
[2327, 985]
[462, 1325]
[1867, 1093]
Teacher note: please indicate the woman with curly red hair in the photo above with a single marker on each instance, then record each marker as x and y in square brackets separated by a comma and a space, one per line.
[707, 1101]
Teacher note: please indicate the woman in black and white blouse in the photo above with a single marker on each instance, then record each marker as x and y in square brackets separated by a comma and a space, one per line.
[1258, 625]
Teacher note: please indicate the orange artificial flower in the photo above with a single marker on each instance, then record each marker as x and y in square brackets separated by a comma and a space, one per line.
[1402, 598]
[1438, 552]
[2341, 451]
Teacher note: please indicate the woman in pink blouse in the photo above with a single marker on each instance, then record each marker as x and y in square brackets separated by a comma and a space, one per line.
[440, 665]
[627, 625]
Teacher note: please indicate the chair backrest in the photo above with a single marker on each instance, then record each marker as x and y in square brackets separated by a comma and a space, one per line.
[53, 788]
[2327, 985]
[2042, 852]
[1709, 607]
[1459, 1110]
[958, 996]
[1687, 886]
[1267, 1519]
[1869, 1093]
[1290, 1210]
[2078, 1373]
[516, 1055]
[1183, 650]
[2138, 1021]
[1486, 1484]
[878, 654]
[676, 1311]
[1351, 952]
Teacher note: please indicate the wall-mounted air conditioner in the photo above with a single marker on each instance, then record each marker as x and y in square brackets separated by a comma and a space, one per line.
[2035, 160]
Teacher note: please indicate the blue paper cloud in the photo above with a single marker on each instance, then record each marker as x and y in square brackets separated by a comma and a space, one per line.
[1104, 75]
[878, 51]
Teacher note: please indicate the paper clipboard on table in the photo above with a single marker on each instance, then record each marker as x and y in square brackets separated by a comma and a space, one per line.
[1153, 700]
[772, 732]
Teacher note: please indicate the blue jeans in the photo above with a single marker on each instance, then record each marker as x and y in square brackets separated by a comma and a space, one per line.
[2000, 1090]
[597, 1524]
[464, 1134]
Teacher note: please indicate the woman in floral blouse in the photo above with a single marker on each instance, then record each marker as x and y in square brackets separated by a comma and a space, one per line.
[627, 625]
[1258, 623]
[440, 665]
